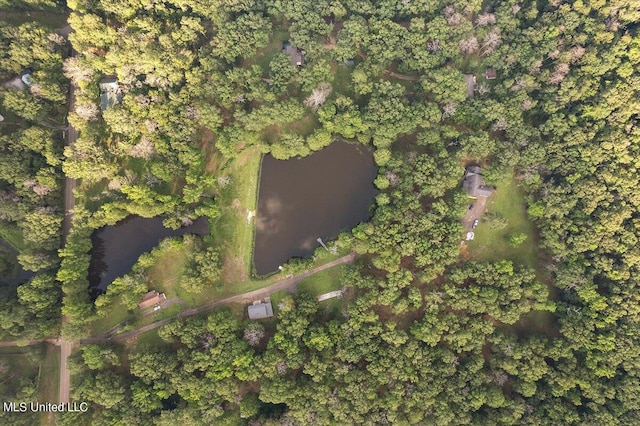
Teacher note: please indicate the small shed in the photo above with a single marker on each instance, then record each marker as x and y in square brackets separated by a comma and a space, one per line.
[348, 62]
[109, 92]
[490, 74]
[26, 78]
[296, 54]
[470, 80]
[474, 185]
[260, 310]
[151, 298]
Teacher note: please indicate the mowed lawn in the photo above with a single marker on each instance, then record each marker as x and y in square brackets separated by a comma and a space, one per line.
[40, 365]
[325, 282]
[493, 244]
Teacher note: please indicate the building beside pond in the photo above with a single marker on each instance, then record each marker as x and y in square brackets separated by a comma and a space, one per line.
[152, 298]
[109, 92]
[260, 310]
[474, 184]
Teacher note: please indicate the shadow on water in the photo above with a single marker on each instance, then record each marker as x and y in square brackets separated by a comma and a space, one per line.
[11, 272]
[116, 248]
[97, 264]
[302, 199]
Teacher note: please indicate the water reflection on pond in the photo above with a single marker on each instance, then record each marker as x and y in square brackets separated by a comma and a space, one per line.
[302, 199]
[117, 248]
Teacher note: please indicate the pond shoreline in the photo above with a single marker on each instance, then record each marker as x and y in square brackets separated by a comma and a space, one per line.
[305, 198]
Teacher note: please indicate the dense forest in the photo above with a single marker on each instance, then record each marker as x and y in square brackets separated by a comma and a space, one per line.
[33, 106]
[542, 93]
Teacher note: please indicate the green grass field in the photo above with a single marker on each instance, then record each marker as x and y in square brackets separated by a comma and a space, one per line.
[49, 377]
[117, 314]
[263, 56]
[12, 235]
[492, 244]
[48, 19]
[323, 282]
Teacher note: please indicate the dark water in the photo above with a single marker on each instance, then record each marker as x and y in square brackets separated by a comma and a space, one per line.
[302, 199]
[117, 248]
[11, 273]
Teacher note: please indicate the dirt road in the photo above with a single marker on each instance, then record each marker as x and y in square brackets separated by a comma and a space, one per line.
[65, 374]
[288, 284]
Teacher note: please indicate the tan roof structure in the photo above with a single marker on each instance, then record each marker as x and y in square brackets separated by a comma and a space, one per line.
[297, 54]
[110, 93]
[470, 79]
[474, 184]
[152, 298]
[490, 74]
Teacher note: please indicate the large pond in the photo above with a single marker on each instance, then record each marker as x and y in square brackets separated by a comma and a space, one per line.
[117, 248]
[303, 199]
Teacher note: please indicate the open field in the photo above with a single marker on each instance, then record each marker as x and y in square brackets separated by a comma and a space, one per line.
[48, 19]
[323, 282]
[492, 244]
[49, 375]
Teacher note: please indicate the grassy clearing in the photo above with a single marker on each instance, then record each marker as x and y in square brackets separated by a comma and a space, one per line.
[12, 235]
[304, 127]
[164, 276]
[48, 19]
[342, 78]
[493, 244]
[164, 313]
[233, 232]
[276, 298]
[118, 314]
[49, 377]
[323, 282]
[263, 56]
[148, 340]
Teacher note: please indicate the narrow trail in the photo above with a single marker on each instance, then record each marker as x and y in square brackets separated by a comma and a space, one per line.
[69, 204]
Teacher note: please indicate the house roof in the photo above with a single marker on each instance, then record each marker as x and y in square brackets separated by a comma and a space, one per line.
[109, 92]
[261, 310]
[151, 298]
[470, 79]
[490, 73]
[473, 183]
[297, 55]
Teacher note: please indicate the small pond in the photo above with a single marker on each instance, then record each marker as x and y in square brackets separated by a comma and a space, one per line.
[11, 273]
[302, 199]
[117, 248]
